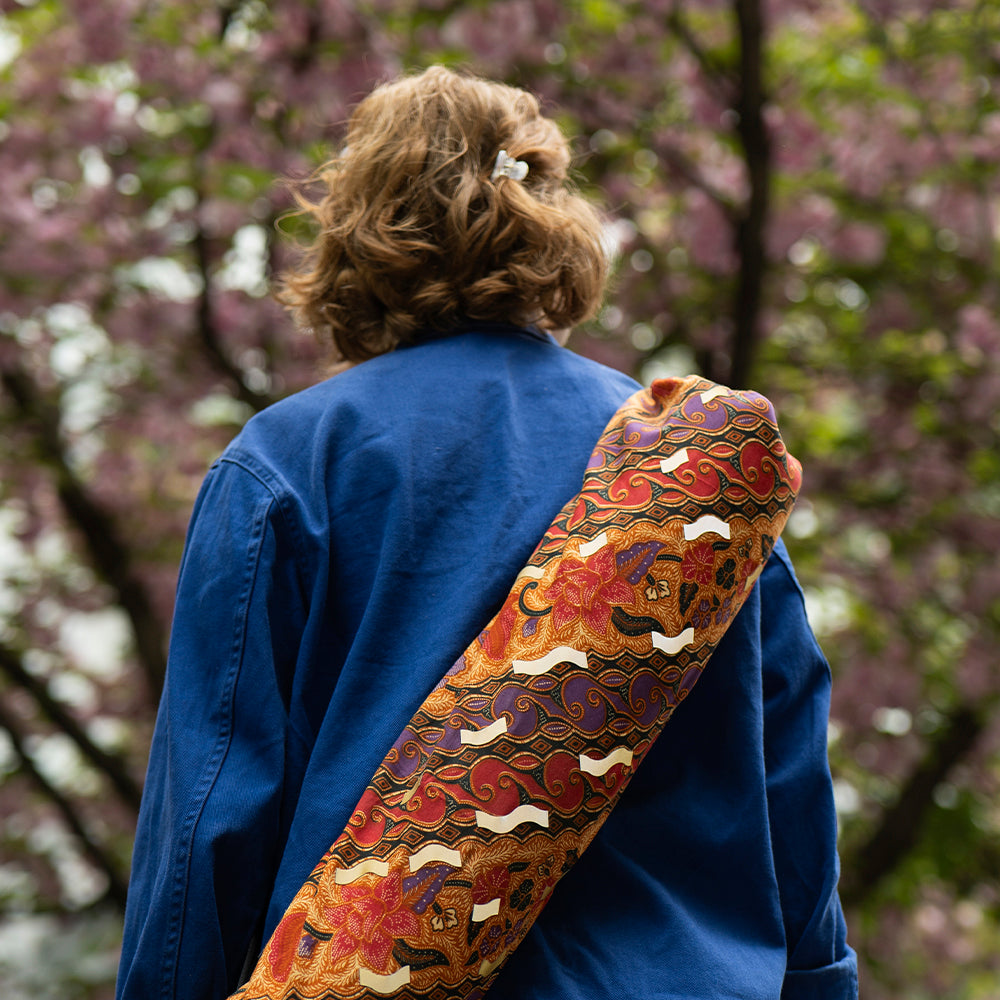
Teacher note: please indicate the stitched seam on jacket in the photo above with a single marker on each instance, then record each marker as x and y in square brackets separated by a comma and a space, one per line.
[211, 773]
[279, 491]
[281, 494]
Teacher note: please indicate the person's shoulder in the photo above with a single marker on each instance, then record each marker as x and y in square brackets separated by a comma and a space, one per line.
[386, 394]
[784, 618]
[291, 414]
[543, 353]
[295, 418]
[590, 368]
[277, 444]
[779, 573]
[475, 363]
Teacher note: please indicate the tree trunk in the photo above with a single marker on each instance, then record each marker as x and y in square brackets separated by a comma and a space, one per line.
[751, 225]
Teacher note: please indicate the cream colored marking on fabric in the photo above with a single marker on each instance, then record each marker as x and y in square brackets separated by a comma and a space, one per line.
[535, 572]
[717, 390]
[435, 852]
[486, 967]
[345, 876]
[704, 526]
[561, 654]
[409, 795]
[594, 545]
[477, 737]
[673, 643]
[483, 911]
[504, 824]
[600, 766]
[384, 984]
[675, 461]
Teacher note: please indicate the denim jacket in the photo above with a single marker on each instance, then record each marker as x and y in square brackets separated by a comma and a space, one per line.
[342, 551]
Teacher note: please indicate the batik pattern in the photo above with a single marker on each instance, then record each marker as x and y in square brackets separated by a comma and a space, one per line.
[510, 766]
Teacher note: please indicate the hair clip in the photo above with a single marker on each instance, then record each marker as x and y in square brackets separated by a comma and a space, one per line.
[507, 166]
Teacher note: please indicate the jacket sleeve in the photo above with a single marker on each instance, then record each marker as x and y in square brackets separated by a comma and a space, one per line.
[208, 833]
[803, 820]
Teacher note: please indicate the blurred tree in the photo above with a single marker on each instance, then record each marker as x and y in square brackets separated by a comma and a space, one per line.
[803, 196]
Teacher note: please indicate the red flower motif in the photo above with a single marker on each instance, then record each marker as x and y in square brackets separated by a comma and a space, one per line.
[698, 563]
[369, 920]
[490, 885]
[284, 945]
[586, 590]
[496, 639]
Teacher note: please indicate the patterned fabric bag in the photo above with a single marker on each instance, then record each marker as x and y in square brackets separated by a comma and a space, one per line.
[512, 763]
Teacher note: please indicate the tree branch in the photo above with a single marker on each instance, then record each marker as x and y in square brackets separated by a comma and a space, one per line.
[718, 76]
[109, 765]
[93, 850]
[898, 830]
[208, 328]
[108, 552]
[687, 169]
[227, 11]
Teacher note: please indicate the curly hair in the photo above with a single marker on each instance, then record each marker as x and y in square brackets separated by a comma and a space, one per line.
[414, 237]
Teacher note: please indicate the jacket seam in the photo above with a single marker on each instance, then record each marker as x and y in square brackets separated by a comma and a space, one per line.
[184, 847]
[279, 494]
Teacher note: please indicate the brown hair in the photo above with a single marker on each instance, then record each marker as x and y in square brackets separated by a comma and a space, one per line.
[413, 235]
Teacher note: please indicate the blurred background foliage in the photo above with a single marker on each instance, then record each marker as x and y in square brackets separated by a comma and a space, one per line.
[802, 196]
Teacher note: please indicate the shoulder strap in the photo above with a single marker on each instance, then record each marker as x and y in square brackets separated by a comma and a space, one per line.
[513, 762]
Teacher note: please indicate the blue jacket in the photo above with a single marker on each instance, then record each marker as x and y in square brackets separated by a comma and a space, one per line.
[341, 553]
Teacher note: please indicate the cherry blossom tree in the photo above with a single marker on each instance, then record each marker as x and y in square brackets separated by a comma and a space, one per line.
[801, 196]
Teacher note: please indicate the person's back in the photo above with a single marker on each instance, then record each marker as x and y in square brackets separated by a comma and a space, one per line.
[348, 545]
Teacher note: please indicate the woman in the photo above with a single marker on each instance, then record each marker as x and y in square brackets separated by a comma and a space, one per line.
[355, 537]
